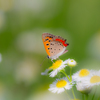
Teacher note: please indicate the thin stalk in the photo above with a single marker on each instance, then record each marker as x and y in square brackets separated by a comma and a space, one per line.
[82, 96]
[70, 73]
[86, 96]
[65, 75]
[73, 93]
[69, 81]
[67, 94]
[98, 98]
[94, 93]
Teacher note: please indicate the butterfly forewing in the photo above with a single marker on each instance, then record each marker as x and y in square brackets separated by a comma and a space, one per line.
[47, 38]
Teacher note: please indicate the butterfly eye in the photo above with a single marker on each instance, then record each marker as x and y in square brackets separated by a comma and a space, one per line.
[48, 57]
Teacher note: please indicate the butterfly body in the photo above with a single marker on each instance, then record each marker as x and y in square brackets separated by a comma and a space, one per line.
[55, 46]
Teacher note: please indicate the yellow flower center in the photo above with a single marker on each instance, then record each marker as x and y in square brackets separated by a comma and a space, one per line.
[95, 79]
[72, 61]
[84, 72]
[61, 83]
[56, 64]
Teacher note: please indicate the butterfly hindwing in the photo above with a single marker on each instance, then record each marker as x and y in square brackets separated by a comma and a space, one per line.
[55, 48]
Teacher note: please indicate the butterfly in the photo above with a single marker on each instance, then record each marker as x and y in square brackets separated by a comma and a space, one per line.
[55, 46]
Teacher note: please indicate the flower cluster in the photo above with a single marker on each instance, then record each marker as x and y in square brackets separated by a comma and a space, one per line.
[84, 79]
[63, 83]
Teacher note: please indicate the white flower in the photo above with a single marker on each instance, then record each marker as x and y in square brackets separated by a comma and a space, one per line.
[60, 85]
[93, 79]
[81, 75]
[83, 88]
[57, 66]
[71, 62]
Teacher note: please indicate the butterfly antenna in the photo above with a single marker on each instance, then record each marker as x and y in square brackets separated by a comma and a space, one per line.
[43, 60]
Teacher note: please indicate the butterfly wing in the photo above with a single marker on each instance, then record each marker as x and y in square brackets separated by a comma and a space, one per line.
[47, 38]
[54, 45]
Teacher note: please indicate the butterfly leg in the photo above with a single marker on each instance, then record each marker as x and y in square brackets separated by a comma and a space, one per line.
[52, 60]
[58, 58]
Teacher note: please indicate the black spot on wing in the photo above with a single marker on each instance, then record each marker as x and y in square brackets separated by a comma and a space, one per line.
[47, 44]
[52, 44]
[46, 40]
[50, 36]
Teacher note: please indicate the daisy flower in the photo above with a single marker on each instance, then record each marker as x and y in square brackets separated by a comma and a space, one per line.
[57, 66]
[60, 85]
[71, 62]
[83, 88]
[80, 75]
[93, 79]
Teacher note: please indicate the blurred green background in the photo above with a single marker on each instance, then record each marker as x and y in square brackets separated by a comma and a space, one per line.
[22, 23]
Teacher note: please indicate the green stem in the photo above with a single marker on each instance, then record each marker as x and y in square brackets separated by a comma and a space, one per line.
[82, 96]
[73, 93]
[67, 94]
[94, 93]
[86, 96]
[65, 75]
[98, 98]
[70, 73]
[69, 81]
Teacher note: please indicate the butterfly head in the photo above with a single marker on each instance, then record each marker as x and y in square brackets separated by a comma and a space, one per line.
[47, 56]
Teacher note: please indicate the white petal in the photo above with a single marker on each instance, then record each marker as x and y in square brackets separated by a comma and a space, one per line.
[65, 62]
[54, 91]
[53, 73]
[45, 72]
[60, 90]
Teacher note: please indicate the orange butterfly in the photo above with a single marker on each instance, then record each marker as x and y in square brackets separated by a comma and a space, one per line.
[55, 46]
